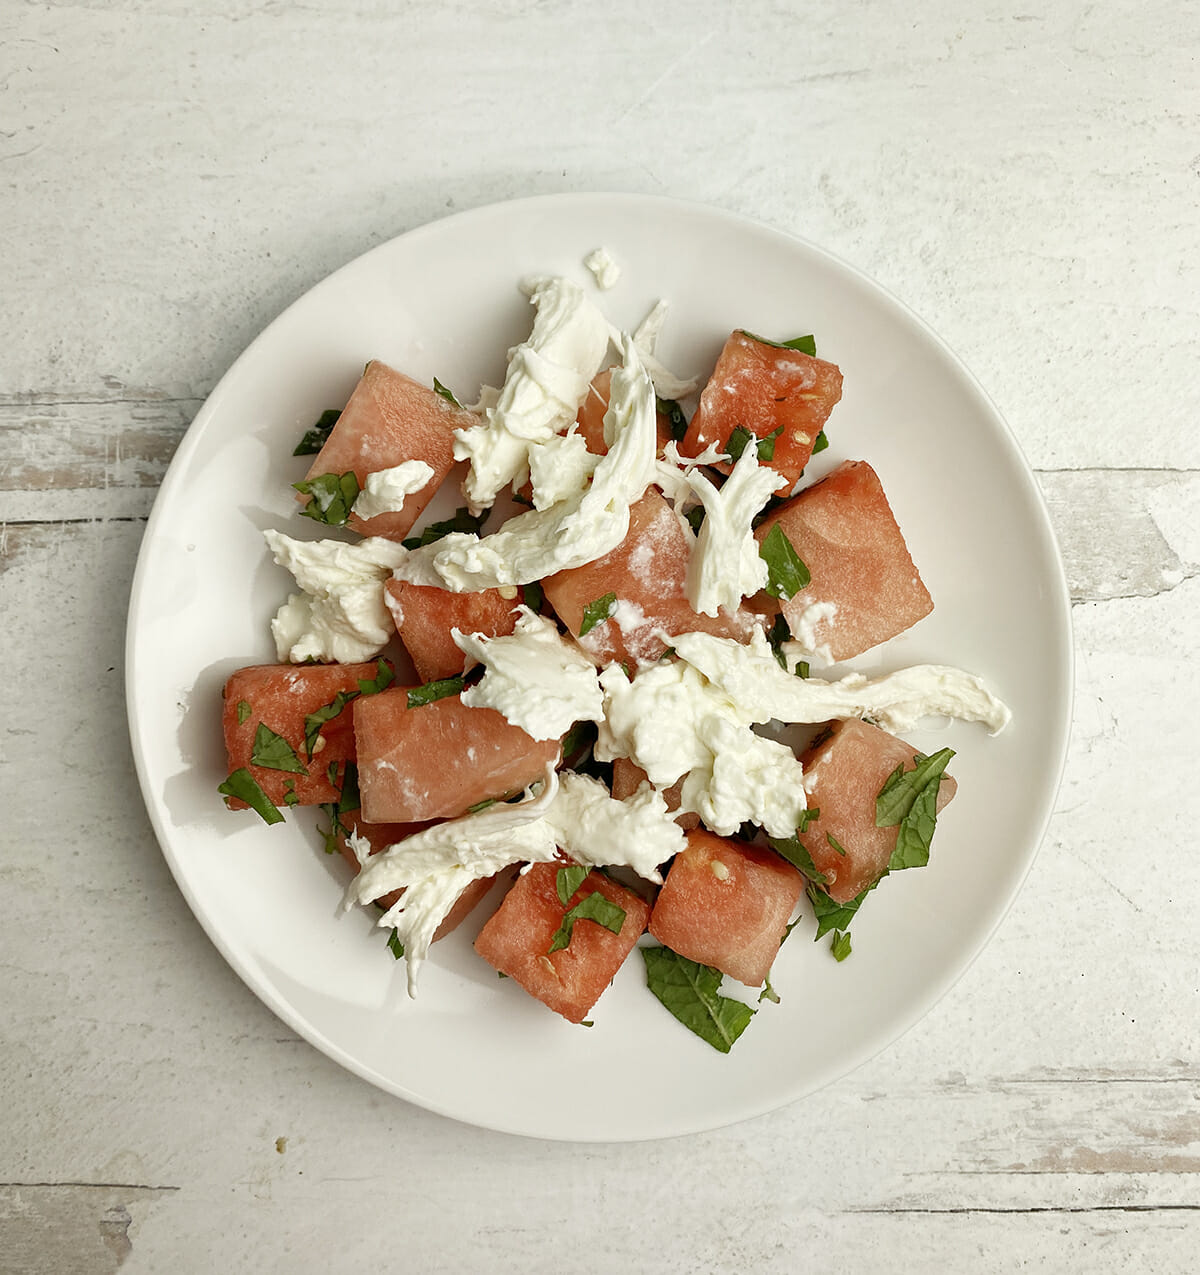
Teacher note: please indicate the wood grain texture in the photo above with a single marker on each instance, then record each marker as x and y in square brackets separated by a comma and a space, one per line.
[175, 174]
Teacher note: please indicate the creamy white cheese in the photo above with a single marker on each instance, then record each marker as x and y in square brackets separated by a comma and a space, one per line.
[604, 269]
[548, 376]
[340, 615]
[573, 532]
[803, 627]
[559, 469]
[533, 677]
[645, 337]
[572, 812]
[386, 489]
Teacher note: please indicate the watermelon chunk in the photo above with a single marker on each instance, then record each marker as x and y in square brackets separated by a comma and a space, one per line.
[844, 771]
[766, 390]
[391, 418]
[845, 533]
[437, 760]
[647, 572]
[516, 940]
[279, 697]
[628, 777]
[726, 903]
[425, 615]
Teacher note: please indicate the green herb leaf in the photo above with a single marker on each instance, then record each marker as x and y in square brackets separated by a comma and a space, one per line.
[592, 907]
[796, 853]
[349, 798]
[579, 737]
[597, 612]
[430, 691]
[439, 388]
[384, 677]
[289, 794]
[330, 834]
[326, 713]
[273, 752]
[243, 712]
[587, 1022]
[778, 635]
[821, 443]
[840, 947]
[768, 993]
[331, 773]
[316, 438]
[909, 798]
[786, 574]
[692, 993]
[676, 421]
[741, 436]
[695, 517]
[568, 880]
[836, 916]
[463, 520]
[801, 668]
[532, 596]
[333, 496]
[501, 974]
[481, 805]
[805, 344]
[394, 945]
[835, 844]
[242, 785]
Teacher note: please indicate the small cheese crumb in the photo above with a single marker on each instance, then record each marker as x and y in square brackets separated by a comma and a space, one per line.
[604, 269]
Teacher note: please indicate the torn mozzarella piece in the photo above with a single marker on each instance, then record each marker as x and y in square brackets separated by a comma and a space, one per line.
[604, 269]
[645, 337]
[803, 628]
[559, 469]
[534, 678]
[386, 489]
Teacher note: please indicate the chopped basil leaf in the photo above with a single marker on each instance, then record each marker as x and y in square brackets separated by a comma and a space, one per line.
[463, 520]
[676, 421]
[331, 773]
[333, 496]
[695, 516]
[532, 596]
[768, 993]
[692, 993]
[335, 826]
[835, 844]
[597, 612]
[315, 438]
[587, 1022]
[439, 388]
[481, 805]
[592, 907]
[778, 635]
[431, 691]
[773, 503]
[242, 785]
[909, 798]
[522, 500]
[289, 794]
[243, 712]
[394, 945]
[273, 752]
[349, 798]
[579, 737]
[384, 676]
[568, 880]
[796, 853]
[501, 974]
[832, 915]
[821, 443]
[741, 436]
[786, 574]
[840, 947]
[801, 668]
[326, 713]
[805, 344]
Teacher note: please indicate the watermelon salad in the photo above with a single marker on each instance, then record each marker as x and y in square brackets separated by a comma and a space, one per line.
[571, 691]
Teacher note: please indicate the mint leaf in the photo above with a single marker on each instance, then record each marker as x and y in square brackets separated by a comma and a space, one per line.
[692, 993]
[242, 785]
[394, 945]
[326, 713]
[592, 907]
[582, 735]
[840, 947]
[332, 497]
[801, 668]
[676, 421]
[349, 798]
[741, 436]
[821, 443]
[778, 635]
[832, 915]
[909, 798]
[568, 880]
[806, 817]
[805, 344]
[532, 596]
[420, 695]
[330, 835]
[786, 574]
[243, 712]
[463, 520]
[835, 844]
[316, 438]
[768, 993]
[439, 388]
[481, 805]
[273, 752]
[597, 612]
[384, 676]
[796, 853]
[695, 518]
[289, 794]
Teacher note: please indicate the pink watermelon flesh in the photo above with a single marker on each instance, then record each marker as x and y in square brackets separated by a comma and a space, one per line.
[733, 918]
[425, 615]
[845, 533]
[437, 760]
[516, 940]
[391, 418]
[844, 771]
[591, 417]
[628, 777]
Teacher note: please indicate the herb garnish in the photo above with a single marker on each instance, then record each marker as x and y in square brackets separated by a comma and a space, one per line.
[327, 712]
[592, 907]
[481, 805]
[695, 517]
[805, 344]
[741, 436]
[333, 497]
[289, 794]
[832, 915]
[796, 852]
[909, 798]
[243, 712]
[692, 993]
[448, 395]
[273, 752]
[463, 520]
[316, 438]
[568, 880]
[835, 845]
[533, 596]
[768, 993]
[676, 421]
[421, 695]
[242, 785]
[821, 443]
[840, 946]
[597, 612]
[786, 573]
[394, 945]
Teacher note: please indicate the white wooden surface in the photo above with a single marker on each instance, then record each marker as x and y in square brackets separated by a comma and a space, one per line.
[1028, 179]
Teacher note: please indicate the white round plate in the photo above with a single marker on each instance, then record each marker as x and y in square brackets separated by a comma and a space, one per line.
[443, 300]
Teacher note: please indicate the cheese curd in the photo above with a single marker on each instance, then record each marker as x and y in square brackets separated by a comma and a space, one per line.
[385, 490]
